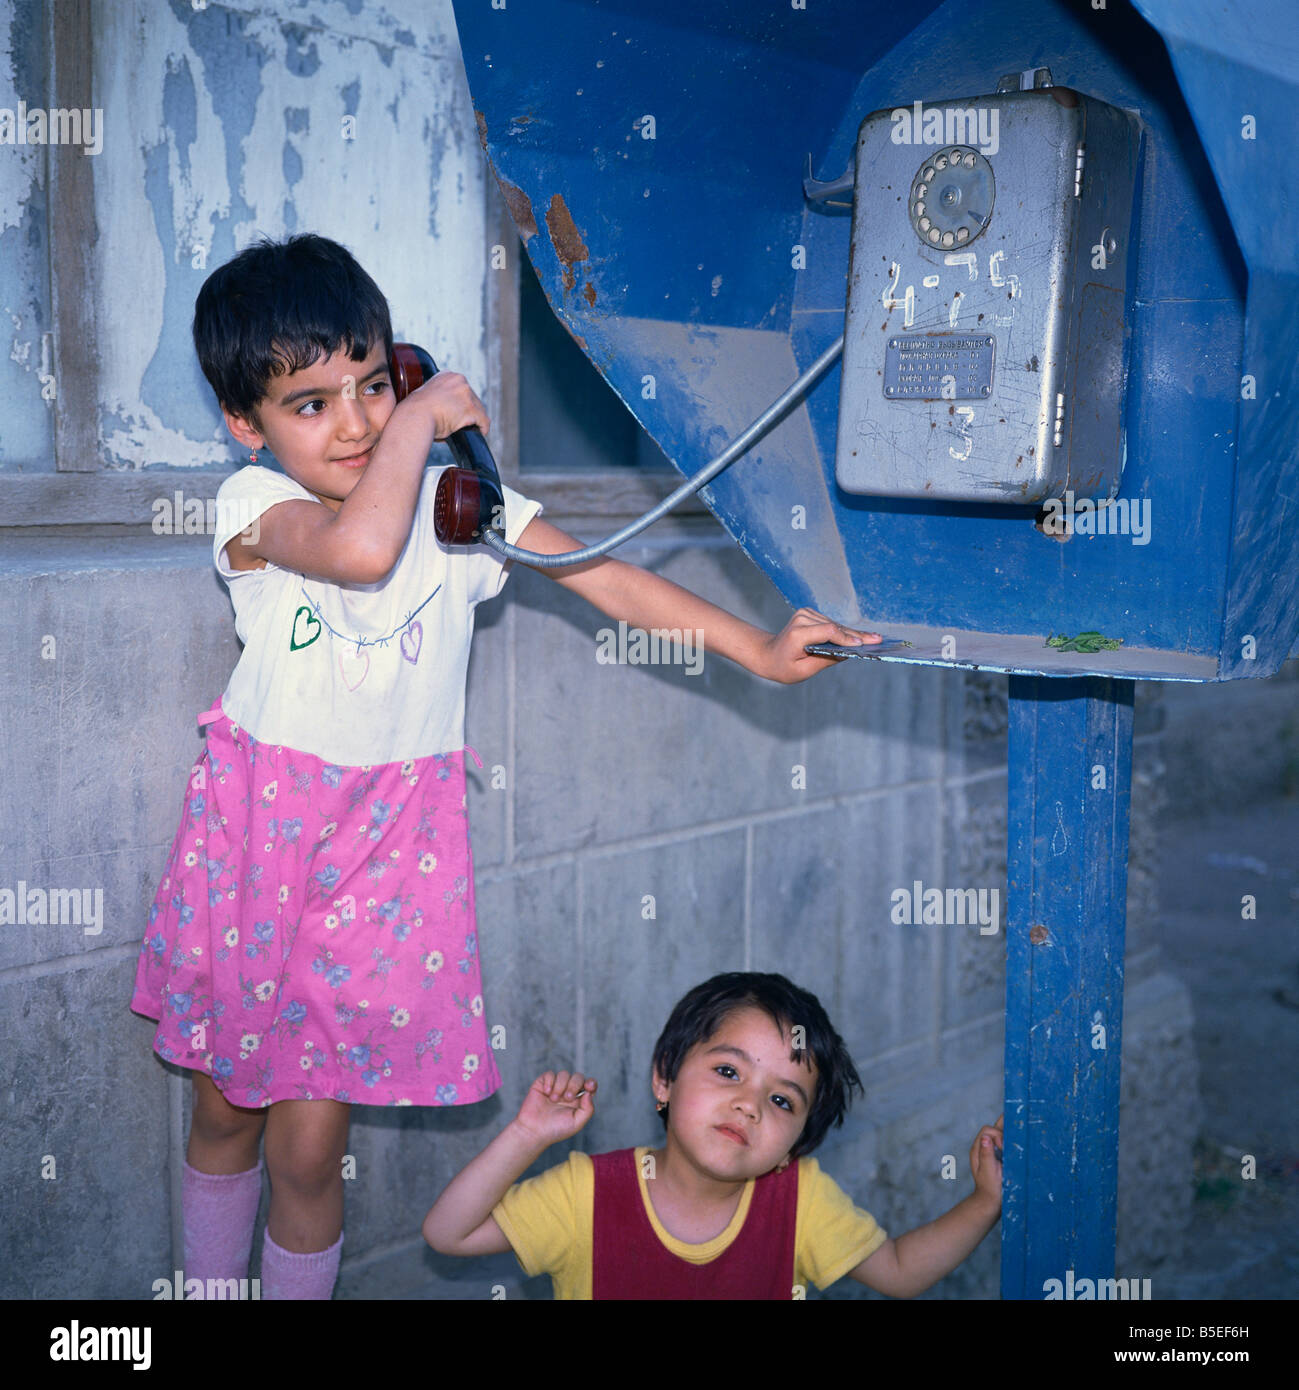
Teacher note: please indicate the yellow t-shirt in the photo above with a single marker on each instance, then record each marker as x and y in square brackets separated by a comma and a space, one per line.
[548, 1221]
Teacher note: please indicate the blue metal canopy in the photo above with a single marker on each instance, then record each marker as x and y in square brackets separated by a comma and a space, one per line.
[653, 158]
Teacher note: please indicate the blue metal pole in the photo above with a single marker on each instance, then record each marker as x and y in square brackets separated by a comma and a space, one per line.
[1069, 787]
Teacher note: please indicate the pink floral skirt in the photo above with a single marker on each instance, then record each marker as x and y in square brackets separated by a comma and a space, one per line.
[313, 936]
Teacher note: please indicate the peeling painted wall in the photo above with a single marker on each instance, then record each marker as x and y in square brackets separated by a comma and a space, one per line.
[223, 123]
[26, 426]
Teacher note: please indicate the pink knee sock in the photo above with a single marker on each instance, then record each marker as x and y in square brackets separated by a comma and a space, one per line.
[286, 1274]
[219, 1211]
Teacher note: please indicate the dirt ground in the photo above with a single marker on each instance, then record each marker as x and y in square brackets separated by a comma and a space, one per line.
[1244, 980]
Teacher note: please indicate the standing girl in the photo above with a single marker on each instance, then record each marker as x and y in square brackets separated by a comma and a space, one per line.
[312, 943]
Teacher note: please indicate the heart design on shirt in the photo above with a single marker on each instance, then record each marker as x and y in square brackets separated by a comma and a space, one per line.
[354, 664]
[411, 641]
[303, 623]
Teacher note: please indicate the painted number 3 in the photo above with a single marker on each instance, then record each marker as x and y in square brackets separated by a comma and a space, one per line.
[964, 430]
[967, 259]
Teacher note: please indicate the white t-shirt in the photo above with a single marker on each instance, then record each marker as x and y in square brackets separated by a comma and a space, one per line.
[357, 674]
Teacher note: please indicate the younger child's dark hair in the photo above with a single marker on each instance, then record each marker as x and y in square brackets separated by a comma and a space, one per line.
[702, 1012]
[276, 308]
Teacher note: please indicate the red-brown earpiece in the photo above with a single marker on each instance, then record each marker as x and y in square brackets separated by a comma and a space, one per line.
[467, 496]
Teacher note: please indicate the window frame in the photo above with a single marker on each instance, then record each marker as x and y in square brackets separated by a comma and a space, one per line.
[81, 492]
[616, 493]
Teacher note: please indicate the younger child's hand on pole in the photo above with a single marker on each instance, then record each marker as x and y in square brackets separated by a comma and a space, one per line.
[788, 663]
[985, 1159]
[557, 1106]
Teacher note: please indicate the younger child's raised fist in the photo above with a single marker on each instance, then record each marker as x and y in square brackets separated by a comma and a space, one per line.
[557, 1105]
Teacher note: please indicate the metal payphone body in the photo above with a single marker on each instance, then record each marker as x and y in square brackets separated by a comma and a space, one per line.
[986, 336]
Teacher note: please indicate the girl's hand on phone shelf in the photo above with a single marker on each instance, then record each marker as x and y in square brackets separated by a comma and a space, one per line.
[784, 657]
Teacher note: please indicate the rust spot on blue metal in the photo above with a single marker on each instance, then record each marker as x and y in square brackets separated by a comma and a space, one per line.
[520, 208]
[567, 240]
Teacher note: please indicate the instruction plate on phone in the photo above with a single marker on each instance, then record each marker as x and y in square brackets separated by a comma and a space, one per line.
[938, 366]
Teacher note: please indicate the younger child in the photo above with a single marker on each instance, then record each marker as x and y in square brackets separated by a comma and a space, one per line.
[748, 1076]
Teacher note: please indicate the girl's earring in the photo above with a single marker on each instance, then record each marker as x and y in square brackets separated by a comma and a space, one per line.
[252, 456]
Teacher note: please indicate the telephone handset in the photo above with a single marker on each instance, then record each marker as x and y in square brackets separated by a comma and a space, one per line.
[469, 494]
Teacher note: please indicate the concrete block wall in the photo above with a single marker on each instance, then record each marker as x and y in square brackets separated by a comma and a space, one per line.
[619, 782]
[97, 739]
[1232, 746]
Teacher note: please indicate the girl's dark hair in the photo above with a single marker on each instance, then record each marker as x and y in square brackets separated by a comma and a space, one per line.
[703, 1011]
[277, 308]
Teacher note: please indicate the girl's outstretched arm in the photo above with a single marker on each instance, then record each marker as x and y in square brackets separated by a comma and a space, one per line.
[646, 600]
[460, 1222]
